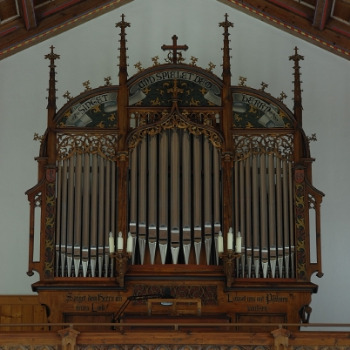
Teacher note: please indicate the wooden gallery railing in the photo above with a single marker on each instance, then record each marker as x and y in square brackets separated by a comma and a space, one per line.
[173, 337]
[24, 326]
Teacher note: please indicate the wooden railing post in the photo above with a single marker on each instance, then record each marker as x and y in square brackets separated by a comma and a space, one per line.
[69, 338]
[281, 336]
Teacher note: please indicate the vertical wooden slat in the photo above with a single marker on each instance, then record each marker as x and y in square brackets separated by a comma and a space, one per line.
[5, 316]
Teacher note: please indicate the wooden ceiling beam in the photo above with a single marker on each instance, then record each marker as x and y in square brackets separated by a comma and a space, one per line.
[313, 25]
[322, 13]
[297, 20]
[28, 14]
[31, 27]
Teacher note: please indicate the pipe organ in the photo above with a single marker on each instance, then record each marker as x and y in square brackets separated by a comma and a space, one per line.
[263, 205]
[175, 183]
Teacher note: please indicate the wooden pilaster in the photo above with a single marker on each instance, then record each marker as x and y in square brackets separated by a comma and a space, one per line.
[298, 109]
[123, 124]
[227, 158]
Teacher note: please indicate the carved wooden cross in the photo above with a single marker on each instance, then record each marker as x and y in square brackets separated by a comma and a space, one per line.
[122, 24]
[174, 47]
[52, 56]
[226, 24]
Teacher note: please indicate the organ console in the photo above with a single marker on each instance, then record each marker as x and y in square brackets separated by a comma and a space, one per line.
[175, 180]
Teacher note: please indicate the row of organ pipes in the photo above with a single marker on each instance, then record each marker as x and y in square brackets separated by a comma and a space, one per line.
[174, 209]
[175, 192]
[86, 209]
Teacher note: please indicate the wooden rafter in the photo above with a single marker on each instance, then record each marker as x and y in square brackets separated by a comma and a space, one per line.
[325, 23]
[311, 24]
[34, 24]
[322, 13]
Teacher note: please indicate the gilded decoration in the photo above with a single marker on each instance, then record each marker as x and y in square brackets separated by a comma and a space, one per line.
[250, 111]
[180, 121]
[277, 144]
[157, 90]
[102, 144]
[300, 230]
[49, 230]
[95, 112]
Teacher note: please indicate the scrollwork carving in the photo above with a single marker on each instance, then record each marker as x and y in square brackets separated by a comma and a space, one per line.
[195, 123]
[279, 145]
[81, 143]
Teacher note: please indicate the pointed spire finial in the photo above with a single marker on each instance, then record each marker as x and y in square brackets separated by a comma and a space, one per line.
[226, 24]
[122, 24]
[122, 50]
[52, 81]
[296, 57]
[297, 86]
[52, 56]
[226, 65]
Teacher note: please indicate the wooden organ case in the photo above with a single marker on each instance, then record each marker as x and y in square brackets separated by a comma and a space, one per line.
[175, 185]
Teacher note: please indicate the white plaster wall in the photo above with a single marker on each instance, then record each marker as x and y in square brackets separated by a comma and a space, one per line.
[259, 52]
